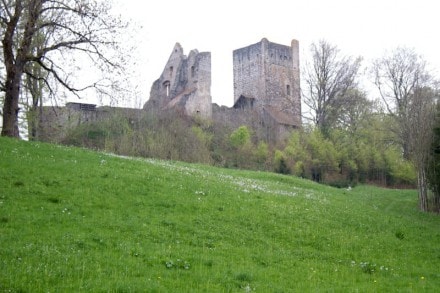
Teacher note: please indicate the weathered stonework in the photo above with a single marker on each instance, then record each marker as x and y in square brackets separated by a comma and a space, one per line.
[268, 74]
[266, 91]
[56, 122]
[185, 84]
[266, 94]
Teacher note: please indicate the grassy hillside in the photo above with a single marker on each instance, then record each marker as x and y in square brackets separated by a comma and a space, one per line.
[76, 220]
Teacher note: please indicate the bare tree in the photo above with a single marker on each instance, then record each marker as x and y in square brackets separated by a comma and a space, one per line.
[355, 108]
[421, 116]
[328, 77]
[409, 93]
[68, 27]
[397, 76]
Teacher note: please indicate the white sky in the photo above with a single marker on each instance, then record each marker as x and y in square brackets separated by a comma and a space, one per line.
[366, 28]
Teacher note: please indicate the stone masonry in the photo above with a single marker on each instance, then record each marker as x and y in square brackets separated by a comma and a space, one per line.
[266, 76]
[185, 84]
[55, 123]
[266, 94]
[266, 91]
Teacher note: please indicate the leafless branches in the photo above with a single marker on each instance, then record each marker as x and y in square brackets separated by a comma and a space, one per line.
[40, 32]
[399, 77]
[327, 78]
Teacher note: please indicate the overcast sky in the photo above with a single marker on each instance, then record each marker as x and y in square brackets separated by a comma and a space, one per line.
[366, 28]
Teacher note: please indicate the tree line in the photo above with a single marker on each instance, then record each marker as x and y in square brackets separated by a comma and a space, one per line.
[347, 137]
[408, 95]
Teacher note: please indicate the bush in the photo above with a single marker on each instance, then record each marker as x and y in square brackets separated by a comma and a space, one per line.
[280, 163]
[342, 183]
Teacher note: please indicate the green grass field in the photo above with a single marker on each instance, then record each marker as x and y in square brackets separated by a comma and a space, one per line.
[73, 220]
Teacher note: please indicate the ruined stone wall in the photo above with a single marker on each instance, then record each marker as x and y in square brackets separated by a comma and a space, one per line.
[266, 93]
[199, 77]
[185, 84]
[52, 124]
[261, 128]
[55, 122]
[232, 118]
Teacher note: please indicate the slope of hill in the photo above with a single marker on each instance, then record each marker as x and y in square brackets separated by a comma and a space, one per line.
[77, 220]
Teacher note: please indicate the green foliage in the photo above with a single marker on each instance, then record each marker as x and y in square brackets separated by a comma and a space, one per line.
[262, 152]
[344, 158]
[165, 136]
[204, 137]
[243, 153]
[296, 152]
[91, 135]
[73, 220]
[363, 152]
[312, 155]
[280, 163]
[323, 154]
[240, 137]
[402, 171]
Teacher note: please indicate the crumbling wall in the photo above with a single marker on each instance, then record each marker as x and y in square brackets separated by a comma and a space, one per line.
[266, 93]
[56, 122]
[185, 84]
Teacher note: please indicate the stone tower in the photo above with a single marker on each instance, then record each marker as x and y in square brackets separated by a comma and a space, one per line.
[266, 78]
[184, 85]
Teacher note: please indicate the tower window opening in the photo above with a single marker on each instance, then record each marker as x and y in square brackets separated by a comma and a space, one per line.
[288, 90]
[166, 85]
[171, 71]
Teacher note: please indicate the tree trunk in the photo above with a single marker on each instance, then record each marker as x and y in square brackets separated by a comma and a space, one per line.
[32, 119]
[14, 64]
[35, 112]
[436, 204]
[423, 190]
[436, 200]
[10, 106]
[14, 70]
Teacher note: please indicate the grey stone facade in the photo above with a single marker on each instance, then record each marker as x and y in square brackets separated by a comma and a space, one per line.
[266, 94]
[266, 91]
[268, 74]
[185, 84]
[56, 122]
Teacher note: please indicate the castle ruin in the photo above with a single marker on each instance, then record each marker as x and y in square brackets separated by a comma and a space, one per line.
[266, 76]
[266, 93]
[266, 90]
[184, 85]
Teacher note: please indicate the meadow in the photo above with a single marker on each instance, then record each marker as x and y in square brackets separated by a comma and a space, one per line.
[75, 220]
